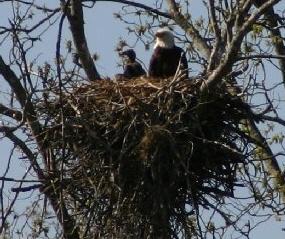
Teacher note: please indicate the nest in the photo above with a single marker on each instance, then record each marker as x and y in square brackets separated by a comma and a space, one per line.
[141, 154]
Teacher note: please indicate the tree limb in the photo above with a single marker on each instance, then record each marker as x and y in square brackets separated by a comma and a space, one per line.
[19, 180]
[139, 5]
[76, 21]
[23, 99]
[15, 114]
[261, 56]
[217, 31]
[272, 20]
[184, 23]
[230, 57]
[267, 155]
[67, 222]
[19, 143]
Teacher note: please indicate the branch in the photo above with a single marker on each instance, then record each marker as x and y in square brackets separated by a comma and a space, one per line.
[272, 20]
[272, 119]
[218, 43]
[23, 99]
[15, 114]
[26, 189]
[67, 222]
[224, 68]
[14, 82]
[31, 29]
[265, 56]
[183, 22]
[9, 209]
[139, 5]
[267, 155]
[32, 158]
[75, 18]
[31, 3]
[19, 180]
[232, 51]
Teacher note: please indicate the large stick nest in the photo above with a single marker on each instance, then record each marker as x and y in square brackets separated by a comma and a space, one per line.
[142, 153]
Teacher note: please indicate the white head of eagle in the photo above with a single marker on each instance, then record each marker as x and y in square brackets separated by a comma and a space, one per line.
[166, 56]
[164, 38]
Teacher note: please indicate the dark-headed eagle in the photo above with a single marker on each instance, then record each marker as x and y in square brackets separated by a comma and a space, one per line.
[166, 56]
[131, 67]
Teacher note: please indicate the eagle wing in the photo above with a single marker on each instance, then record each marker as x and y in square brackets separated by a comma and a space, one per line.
[184, 62]
[164, 61]
[133, 70]
[153, 69]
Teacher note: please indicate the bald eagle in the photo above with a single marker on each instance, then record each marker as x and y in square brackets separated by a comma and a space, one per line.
[131, 67]
[166, 56]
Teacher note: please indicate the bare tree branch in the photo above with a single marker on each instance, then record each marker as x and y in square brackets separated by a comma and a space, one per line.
[214, 55]
[270, 160]
[226, 63]
[67, 222]
[272, 19]
[15, 114]
[19, 180]
[184, 23]
[23, 98]
[76, 21]
[261, 56]
[138, 5]
[26, 151]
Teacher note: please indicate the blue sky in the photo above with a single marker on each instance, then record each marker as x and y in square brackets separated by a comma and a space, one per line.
[103, 32]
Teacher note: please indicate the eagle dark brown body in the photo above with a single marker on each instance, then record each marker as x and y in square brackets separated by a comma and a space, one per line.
[164, 61]
[133, 69]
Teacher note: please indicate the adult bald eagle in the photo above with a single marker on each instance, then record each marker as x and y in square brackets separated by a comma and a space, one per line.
[166, 56]
[131, 67]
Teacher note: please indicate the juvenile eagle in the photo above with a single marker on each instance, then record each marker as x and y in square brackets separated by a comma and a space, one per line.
[131, 67]
[166, 56]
